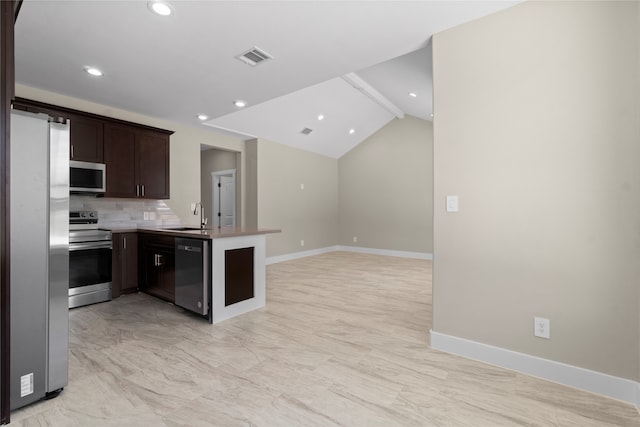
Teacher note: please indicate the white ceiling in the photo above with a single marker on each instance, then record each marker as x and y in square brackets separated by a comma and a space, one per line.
[183, 65]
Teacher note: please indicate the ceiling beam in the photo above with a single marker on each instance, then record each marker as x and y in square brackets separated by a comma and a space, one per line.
[358, 83]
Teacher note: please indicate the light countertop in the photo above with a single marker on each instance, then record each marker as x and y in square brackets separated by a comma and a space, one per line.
[193, 232]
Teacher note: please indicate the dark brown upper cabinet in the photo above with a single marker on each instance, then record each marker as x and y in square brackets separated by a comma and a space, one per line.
[86, 139]
[136, 156]
[152, 164]
[120, 158]
[137, 162]
[85, 136]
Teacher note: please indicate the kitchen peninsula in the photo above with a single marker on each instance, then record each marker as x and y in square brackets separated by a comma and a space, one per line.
[217, 273]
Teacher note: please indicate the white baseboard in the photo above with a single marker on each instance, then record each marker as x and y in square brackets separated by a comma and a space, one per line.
[584, 379]
[386, 252]
[297, 255]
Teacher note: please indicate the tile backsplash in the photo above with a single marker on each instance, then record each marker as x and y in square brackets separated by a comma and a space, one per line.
[124, 213]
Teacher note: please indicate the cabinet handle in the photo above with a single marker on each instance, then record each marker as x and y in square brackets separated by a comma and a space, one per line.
[142, 190]
[137, 190]
[72, 151]
[124, 243]
[157, 260]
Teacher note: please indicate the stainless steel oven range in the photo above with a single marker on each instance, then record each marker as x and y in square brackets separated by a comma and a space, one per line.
[89, 260]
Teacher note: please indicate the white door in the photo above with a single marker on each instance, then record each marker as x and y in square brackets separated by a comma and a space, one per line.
[224, 198]
[227, 201]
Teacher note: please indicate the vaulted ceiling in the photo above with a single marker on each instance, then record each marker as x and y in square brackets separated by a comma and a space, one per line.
[354, 62]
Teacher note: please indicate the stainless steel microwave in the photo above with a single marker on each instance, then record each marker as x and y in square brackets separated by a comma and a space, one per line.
[87, 177]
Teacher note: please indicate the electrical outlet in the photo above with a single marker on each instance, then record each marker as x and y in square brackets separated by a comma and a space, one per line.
[301, 242]
[541, 327]
[145, 216]
[355, 239]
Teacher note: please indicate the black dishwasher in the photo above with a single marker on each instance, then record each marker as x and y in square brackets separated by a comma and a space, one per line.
[192, 282]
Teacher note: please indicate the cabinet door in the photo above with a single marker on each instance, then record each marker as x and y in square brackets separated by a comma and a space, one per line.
[167, 275]
[86, 136]
[116, 266]
[129, 277]
[157, 261]
[153, 164]
[120, 158]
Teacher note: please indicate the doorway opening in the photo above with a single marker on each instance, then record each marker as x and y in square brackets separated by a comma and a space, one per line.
[226, 163]
[224, 198]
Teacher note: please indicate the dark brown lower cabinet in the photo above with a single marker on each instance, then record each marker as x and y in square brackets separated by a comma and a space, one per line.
[157, 263]
[125, 264]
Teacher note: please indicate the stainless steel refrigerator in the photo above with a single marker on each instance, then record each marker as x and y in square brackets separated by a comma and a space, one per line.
[39, 265]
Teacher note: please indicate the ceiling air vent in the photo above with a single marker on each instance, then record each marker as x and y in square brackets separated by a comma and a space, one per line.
[306, 131]
[254, 56]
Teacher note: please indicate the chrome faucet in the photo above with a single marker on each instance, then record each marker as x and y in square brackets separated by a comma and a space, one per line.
[203, 220]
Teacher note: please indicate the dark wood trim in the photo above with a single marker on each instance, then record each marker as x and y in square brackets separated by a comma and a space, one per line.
[8, 14]
[71, 111]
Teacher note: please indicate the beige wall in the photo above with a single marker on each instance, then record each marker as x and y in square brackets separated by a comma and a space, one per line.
[386, 189]
[185, 146]
[309, 214]
[214, 160]
[251, 176]
[536, 130]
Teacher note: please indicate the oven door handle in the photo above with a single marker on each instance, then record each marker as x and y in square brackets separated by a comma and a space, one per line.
[89, 245]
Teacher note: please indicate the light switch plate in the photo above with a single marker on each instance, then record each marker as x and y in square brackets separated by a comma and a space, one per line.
[452, 204]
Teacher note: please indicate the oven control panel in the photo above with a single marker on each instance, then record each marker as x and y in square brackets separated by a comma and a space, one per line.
[83, 217]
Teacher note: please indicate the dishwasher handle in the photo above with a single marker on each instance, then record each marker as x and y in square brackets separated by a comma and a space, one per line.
[188, 248]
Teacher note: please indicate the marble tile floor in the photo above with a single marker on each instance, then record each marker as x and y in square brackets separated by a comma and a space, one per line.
[343, 341]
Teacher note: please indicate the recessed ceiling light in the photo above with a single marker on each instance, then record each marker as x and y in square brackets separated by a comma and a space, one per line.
[413, 94]
[239, 103]
[93, 71]
[352, 131]
[320, 117]
[160, 8]
[202, 117]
